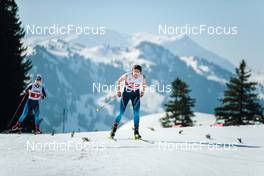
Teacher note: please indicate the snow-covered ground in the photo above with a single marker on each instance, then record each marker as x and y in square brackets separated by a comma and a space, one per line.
[152, 121]
[166, 152]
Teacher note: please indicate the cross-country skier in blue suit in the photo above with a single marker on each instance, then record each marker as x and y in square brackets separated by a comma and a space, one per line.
[135, 84]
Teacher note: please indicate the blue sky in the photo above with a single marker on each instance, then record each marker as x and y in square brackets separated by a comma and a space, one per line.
[145, 15]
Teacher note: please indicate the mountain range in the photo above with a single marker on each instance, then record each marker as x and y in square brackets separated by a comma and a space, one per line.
[71, 65]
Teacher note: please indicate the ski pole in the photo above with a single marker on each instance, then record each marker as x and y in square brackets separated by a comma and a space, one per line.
[111, 98]
[17, 110]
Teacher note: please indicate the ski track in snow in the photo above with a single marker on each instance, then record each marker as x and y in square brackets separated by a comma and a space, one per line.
[126, 156]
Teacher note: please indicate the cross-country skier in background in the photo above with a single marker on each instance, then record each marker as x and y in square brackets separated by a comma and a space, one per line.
[135, 84]
[35, 92]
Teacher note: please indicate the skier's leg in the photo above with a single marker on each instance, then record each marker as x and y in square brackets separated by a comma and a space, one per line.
[136, 109]
[25, 112]
[123, 103]
[37, 117]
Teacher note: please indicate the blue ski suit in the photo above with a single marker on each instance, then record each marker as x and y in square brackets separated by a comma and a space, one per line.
[131, 92]
[134, 96]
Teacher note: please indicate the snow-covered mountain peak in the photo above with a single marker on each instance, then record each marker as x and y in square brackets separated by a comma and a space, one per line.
[137, 38]
[76, 67]
[56, 46]
[179, 45]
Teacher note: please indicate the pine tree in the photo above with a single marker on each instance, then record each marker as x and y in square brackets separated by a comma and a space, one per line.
[240, 104]
[179, 108]
[14, 67]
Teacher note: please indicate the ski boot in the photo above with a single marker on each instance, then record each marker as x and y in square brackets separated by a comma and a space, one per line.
[136, 134]
[17, 126]
[37, 130]
[114, 128]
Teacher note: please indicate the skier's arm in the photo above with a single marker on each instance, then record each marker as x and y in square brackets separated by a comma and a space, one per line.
[119, 81]
[144, 85]
[44, 95]
[27, 89]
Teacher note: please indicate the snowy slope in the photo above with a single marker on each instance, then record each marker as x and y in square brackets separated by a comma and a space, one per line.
[165, 153]
[152, 121]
